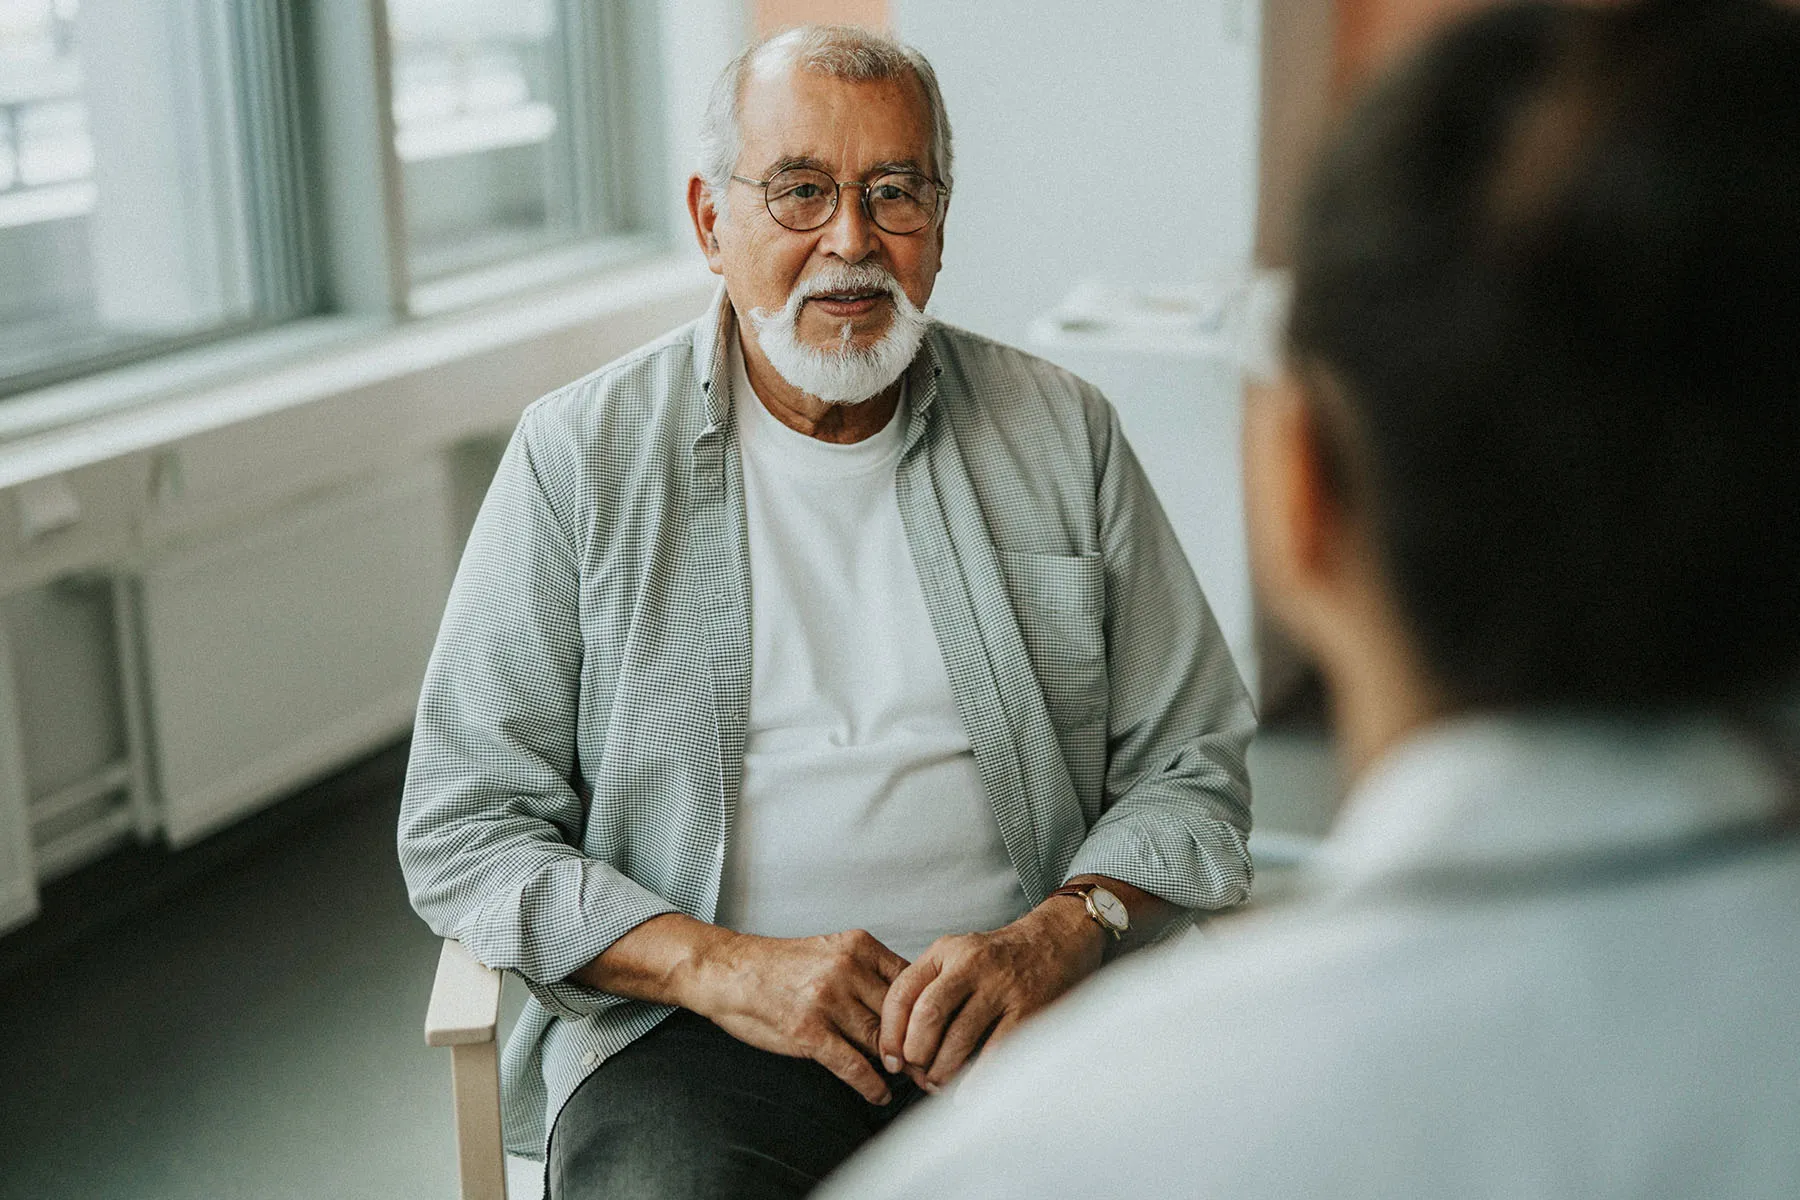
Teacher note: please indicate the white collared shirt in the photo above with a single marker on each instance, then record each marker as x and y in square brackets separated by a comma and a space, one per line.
[1502, 983]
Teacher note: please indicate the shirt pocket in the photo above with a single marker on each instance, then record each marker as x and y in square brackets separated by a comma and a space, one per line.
[1060, 603]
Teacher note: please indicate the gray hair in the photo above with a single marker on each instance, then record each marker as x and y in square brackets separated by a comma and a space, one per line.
[837, 51]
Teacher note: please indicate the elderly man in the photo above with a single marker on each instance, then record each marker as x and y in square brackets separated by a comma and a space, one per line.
[1531, 497]
[823, 691]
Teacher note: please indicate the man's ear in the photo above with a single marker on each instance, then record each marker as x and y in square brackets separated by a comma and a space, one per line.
[706, 222]
[1301, 536]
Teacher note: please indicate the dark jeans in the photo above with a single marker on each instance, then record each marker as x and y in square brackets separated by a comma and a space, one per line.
[688, 1112]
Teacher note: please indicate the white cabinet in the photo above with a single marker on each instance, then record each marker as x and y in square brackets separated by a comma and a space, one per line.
[278, 652]
[71, 780]
[73, 678]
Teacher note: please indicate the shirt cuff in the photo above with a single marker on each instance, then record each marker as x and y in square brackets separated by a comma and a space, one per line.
[623, 905]
[1203, 868]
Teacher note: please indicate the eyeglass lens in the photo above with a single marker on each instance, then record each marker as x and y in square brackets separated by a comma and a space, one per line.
[802, 198]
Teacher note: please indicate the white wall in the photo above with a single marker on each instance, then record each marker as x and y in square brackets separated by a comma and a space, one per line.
[1109, 138]
[698, 38]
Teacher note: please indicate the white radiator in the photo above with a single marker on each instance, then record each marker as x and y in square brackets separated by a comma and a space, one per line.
[277, 654]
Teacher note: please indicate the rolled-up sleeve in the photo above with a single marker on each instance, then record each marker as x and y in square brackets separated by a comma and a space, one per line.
[1176, 820]
[491, 821]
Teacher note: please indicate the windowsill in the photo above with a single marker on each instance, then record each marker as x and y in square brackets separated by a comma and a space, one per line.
[30, 415]
[516, 276]
[79, 423]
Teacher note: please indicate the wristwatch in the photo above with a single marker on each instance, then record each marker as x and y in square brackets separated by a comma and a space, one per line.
[1107, 910]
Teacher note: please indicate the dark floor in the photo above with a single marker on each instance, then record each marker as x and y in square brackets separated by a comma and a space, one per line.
[249, 1027]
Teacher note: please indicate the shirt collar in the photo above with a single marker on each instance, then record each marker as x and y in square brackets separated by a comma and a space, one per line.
[922, 386]
[1498, 792]
[711, 340]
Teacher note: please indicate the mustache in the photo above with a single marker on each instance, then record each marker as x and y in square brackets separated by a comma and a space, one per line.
[850, 277]
[842, 277]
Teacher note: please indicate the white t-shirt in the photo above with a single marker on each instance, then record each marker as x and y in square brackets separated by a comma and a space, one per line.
[861, 806]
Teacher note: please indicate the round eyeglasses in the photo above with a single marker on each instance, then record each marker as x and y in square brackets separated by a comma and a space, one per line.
[805, 198]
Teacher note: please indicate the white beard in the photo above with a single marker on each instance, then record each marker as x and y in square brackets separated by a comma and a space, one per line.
[845, 375]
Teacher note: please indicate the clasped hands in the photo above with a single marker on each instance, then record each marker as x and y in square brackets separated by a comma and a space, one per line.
[848, 1002]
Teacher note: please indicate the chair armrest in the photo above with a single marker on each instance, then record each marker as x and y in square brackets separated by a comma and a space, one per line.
[465, 1000]
[464, 1014]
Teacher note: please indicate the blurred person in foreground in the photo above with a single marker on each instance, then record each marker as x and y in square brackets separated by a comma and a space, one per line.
[823, 690]
[1531, 495]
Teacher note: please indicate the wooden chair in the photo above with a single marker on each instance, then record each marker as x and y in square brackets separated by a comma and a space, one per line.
[464, 1015]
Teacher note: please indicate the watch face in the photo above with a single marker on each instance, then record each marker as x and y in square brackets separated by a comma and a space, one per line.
[1111, 909]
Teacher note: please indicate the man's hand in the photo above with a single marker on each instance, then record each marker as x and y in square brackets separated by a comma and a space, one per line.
[815, 997]
[977, 987]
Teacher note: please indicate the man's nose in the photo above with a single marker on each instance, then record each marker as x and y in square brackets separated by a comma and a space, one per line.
[850, 234]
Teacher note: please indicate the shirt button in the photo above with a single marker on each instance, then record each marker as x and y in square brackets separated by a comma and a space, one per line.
[590, 1060]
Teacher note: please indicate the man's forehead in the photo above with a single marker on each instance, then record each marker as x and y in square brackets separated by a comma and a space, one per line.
[794, 116]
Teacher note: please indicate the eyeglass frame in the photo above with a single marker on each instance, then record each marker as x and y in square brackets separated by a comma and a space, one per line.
[837, 199]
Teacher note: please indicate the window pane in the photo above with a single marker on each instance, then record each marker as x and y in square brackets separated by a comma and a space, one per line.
[47, 192]
[487, 129]
[128, 200]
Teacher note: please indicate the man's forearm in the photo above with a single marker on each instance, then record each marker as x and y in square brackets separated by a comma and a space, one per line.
[662, 961]
[666, 959]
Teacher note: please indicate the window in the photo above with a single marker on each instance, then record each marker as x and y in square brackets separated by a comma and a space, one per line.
[495, 128]
[150, 181]
[174, 170]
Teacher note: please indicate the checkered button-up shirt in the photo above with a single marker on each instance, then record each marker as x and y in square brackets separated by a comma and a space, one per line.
[580, 737]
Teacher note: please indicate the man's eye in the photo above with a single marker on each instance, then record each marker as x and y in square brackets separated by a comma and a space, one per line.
[805, 191]
[889, 191]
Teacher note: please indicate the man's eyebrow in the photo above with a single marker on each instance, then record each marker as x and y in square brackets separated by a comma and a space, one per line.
[806, 160]
[794, 160]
